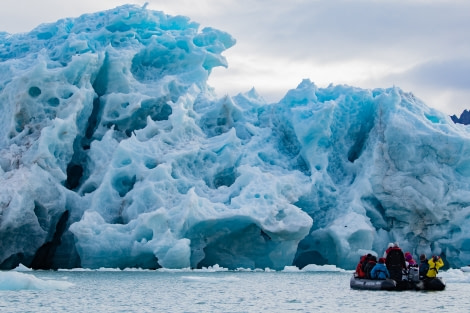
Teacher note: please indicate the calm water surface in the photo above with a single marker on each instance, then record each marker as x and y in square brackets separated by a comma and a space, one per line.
[193, 291]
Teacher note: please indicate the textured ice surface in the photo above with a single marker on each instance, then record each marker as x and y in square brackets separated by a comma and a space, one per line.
[114, 152]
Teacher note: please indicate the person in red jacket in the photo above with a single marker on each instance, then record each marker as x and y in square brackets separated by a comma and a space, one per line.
[390, 246]
[360, 266]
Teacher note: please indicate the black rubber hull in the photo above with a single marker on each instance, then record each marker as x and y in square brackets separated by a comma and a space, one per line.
[389, 284]
[432, 284]
[372, 284]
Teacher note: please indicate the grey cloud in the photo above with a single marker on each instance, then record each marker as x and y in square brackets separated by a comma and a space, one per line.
[396, 33]
[442, 83]
[329, 30]
[452, 73]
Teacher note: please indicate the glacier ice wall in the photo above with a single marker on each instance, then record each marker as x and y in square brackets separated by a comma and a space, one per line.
[114, 152]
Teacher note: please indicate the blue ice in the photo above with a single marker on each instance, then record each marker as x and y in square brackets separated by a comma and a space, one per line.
[114, 152]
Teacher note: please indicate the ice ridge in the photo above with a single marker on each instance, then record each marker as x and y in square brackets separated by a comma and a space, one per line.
[114, 152]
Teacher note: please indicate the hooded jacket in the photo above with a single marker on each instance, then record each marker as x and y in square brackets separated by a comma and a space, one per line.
[434, 267]
[379, 271]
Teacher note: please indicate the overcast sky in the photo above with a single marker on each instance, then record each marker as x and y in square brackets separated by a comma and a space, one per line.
[418, 45]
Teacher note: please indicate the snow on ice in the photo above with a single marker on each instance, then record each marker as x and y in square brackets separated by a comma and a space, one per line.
[114, 152]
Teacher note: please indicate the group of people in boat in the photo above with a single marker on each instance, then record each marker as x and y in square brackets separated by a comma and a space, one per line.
[395, 265]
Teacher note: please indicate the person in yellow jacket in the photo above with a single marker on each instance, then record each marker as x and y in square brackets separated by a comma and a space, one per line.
[435, 263]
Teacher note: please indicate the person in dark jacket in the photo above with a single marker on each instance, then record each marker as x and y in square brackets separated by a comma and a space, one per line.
[423, 266]
[395, 262]
[380, 270]
[370, 265]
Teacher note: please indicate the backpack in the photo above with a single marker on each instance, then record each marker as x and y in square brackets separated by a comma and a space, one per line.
[366, 260]
[413, 273]
[423, 270]
[368, 268]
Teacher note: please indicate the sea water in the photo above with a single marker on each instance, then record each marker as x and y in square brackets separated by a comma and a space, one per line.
[217, 290]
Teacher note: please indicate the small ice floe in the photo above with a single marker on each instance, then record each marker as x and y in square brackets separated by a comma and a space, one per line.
[465, 268]
[455, 276]
[314, 268]
[13, 280]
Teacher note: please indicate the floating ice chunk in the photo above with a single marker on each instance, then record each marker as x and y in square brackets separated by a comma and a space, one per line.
[19, 281]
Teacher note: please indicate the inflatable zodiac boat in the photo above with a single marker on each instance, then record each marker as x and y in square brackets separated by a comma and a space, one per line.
[389, 284]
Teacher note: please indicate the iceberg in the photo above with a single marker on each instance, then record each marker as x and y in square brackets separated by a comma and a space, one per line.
[14, 281]
[115, 153]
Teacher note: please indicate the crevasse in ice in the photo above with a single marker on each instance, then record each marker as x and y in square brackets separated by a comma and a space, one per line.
[115, 152]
